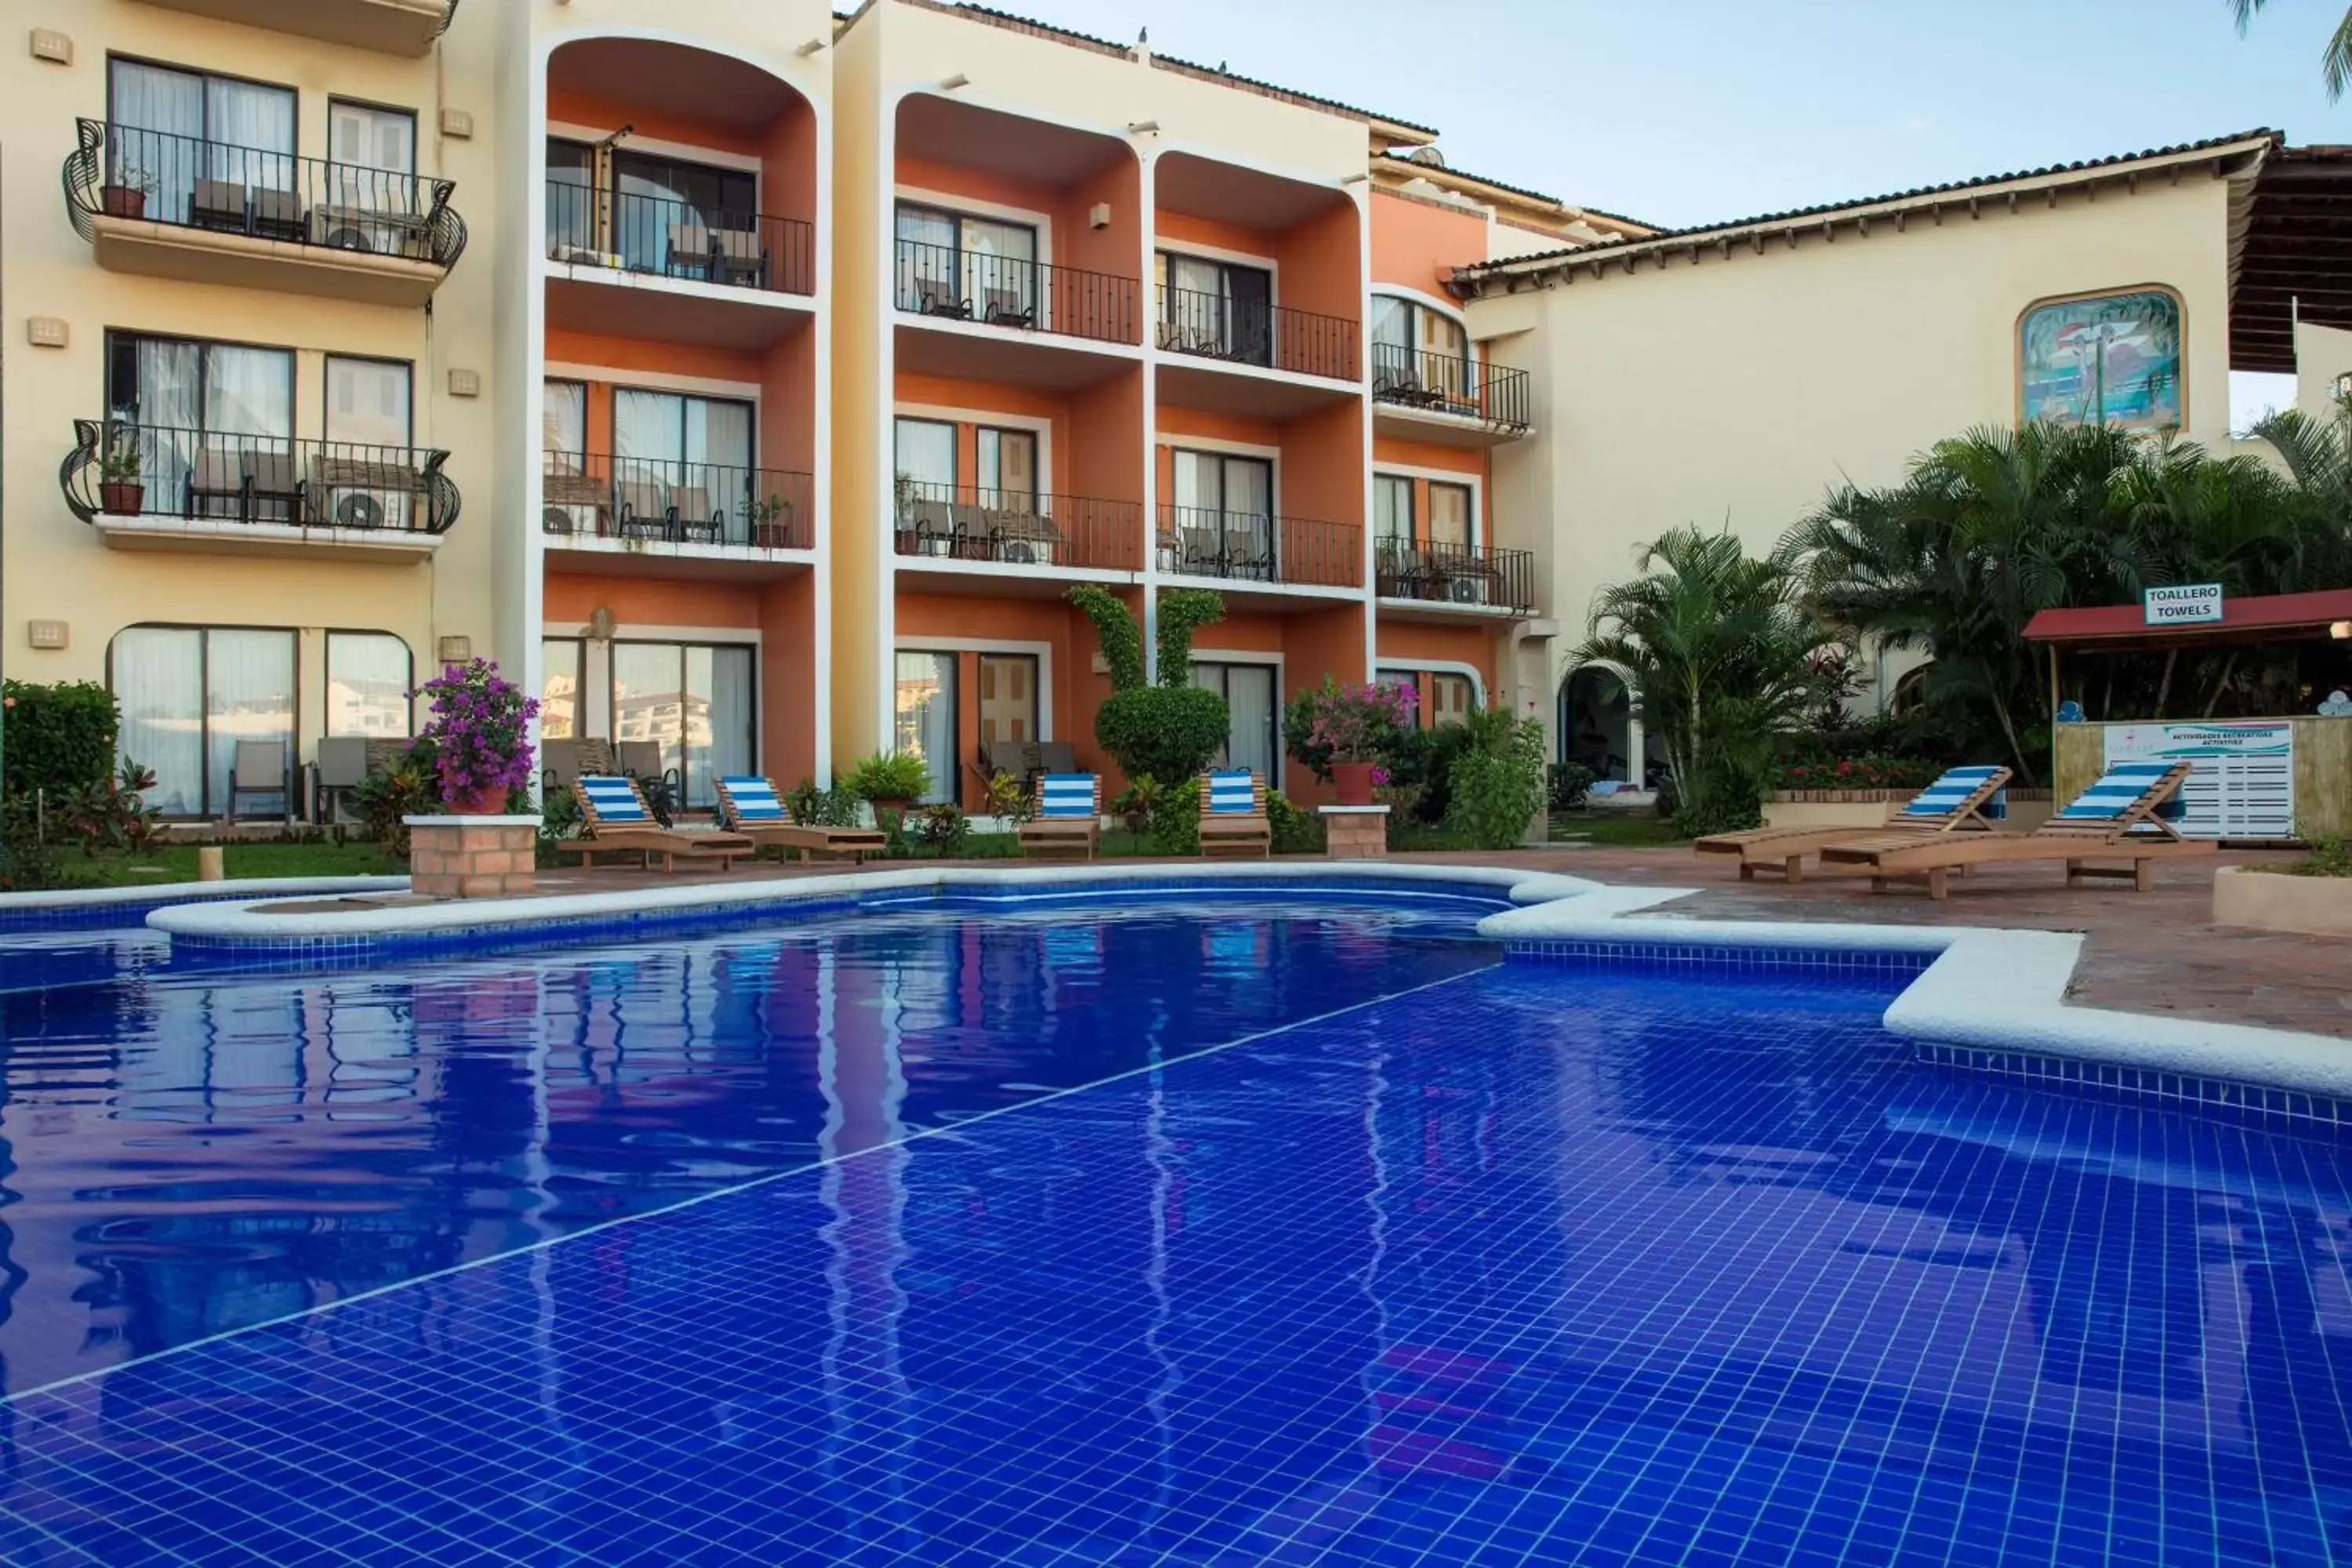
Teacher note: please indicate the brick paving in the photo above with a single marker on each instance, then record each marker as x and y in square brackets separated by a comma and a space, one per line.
[2145, 952]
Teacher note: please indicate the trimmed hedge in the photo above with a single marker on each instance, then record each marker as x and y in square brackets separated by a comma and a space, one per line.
[57, 738]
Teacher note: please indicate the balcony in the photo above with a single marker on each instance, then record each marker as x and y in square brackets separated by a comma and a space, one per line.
[389, 27]
[949, 285]
[1202, 541]
[1269, 337]
[661, 236]
[167, 206]
[147, 487]
[940, 526]
[665, 515]
[1445, 399]
[1431, 580]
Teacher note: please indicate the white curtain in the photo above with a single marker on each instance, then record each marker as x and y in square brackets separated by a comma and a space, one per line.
[926, 718]
[1449, 515]
[927, 256]
[251, 128]
[157, 674]
[927, 451]
[1393, 510]
[1000, 266]
[249, 392]
[1391, 321]
[563, 421]
[159, 119]
[649, 697]
[248, 695]
[718, 454]
[1249, 698]
[167, 407]
[368, 676]
[647, 442]
[729, 746]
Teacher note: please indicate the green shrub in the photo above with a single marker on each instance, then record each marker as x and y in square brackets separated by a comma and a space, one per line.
[890, 775]
[1569, 786]
[1295, 832]
[810, 806]
[2329, 857]
[1167, 731]
[1176, 820]
[1351, 724]
[1005, 799]
[1423, 761]
[27, 864]
[114, 814]
[1497, 785]
[407, 786]
[1120, 639]
[58, 737]
[1733, 804]
[1182, 612]
[944, 829]
[1137, 802]
[558, 819]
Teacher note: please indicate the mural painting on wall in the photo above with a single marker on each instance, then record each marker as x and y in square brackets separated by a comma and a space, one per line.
[2111, 359]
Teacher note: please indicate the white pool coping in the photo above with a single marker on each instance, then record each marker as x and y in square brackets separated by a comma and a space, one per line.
[232, 889]
[1985, 988]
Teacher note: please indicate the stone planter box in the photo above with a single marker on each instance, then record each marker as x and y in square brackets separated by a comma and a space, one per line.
[2028, 808]
[472, 857]
[1355, 832]
[2265, 900]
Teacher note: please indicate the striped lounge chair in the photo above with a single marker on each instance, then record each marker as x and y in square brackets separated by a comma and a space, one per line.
[1233, 819]
[1964, 800]
[615, 820]
[1068, 819]
[2126, 817]
[748, 805]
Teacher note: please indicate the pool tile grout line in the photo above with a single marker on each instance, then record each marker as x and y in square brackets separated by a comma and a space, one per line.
[764, 1179]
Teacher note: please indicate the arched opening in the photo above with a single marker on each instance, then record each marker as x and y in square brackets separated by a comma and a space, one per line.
[1597, 727]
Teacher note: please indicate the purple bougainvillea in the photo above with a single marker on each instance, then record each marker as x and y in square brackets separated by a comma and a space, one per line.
[480, 730]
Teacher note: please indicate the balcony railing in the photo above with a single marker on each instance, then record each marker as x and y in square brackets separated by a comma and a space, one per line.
[188, 181]
[1011, 292]
[966, 523]
[1215, 326]
[1203, 542]
[595, 496]
[1448, 384]
[126, 469]
[1454, 574]
[629, 232]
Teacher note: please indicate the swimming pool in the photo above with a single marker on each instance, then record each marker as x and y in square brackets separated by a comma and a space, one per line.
[1285, 1231]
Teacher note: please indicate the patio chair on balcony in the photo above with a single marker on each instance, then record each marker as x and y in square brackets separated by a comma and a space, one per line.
[275, 489]
[699, 523]
[741, 255]
[932, 525]
[276, 214]
[690, 246]
[1002, 308]
[216, 475]
[937, 297]
[1021, 535]
[646, 511]
[218, 203]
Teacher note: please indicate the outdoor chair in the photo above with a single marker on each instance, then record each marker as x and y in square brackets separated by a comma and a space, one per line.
[273, 488]
[338, 766]
[2124, 816]
[615, 820]
[748, 805]
[938, 298]
[690, 246]
[559, 762]
[218, 204]
[1068, 819]
[642, 760]
[260, 768]
[1963, 800]
[739, 256]
[698, 520]
[646, 511]
[1002, 308]
[275, 215]
[566, 495]
[1233, 819]
[216, 475]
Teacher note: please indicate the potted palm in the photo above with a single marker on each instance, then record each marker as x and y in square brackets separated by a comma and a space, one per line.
[480, 730]
[120, 491]
[889, 781]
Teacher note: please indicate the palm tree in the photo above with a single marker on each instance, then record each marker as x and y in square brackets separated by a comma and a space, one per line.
[1720, 647]
[2334, 60]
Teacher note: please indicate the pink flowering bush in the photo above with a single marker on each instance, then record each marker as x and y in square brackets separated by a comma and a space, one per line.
[1353, 723]
[480, 730]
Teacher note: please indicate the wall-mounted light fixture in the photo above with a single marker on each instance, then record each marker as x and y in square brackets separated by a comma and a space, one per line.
[602, 623]
[1098, 216]
[1356, 179]
[812, 47]
[1143, 128]
[955, 81]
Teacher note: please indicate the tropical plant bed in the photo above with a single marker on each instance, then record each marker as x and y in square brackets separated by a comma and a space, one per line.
[177, 863]
[2312, 896]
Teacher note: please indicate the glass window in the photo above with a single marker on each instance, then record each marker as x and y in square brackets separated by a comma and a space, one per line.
[925, 718]
[667, 211]
[1008, 467]
[1451, 522]
[559, 688]
[695, 701]
[684, 460]
[206, 418]
[1450, 698]
[1215, 307]
[572, 222]
[972, 269]
[1392, 510]
[188, 135]
[189, 694]
[1418, 354]
[1250, 707]
[369, 676]
[563, 422]
[1224, 514]
[372, 157]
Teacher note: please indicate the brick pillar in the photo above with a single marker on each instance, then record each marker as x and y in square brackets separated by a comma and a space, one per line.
[1355, 832]
[472, 857]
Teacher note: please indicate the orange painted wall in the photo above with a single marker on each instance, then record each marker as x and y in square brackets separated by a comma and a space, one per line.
[1113, 250]
[653, 601]
[1419, 245]
[788, 160]
[1411, 642]
[1104, 456]
[785, 376]
[788, 396]
[1427, 455]
[1322, 266]
[1312, 643]
[654, 124]
[788, 677]
[1323, 465]
[1186, 228]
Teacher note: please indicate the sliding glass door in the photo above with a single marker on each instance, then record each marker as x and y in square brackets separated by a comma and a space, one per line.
[976, 269]
[1224, 514]
[1215, 308]
[1250, 703]
[201, 145]
[205, 419]
[189, 695]
[924, 723]
[684, 461]
[695, 701]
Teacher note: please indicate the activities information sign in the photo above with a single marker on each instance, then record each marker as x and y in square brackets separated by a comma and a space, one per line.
[2240, 776]
[2182, 604]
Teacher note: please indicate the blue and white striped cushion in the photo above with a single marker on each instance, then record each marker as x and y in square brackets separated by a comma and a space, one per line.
[1065, 794]
[754, 798]
[1944, 796]
[2116, 788]
[1233, 790]
[615, 798]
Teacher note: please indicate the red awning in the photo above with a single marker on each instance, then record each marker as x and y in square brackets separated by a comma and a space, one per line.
[2274, 617]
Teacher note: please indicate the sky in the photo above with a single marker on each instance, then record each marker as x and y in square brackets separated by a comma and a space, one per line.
[1687, 111]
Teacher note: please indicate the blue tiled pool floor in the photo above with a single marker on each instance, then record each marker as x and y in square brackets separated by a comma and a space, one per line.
[1533, 1265]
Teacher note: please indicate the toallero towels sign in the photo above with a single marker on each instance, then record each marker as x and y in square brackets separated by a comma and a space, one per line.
[2182, 604]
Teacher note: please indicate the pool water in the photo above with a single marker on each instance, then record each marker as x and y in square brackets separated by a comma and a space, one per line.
[1355, 1246]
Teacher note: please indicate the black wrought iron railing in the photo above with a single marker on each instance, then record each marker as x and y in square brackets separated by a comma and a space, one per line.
[1448, 384]
[598, 496]
[124, 468]
[1454, 574]
[1012, 291]
[635, 232]
[1203, 542]
[1216, 326]
[188, 181]
[966, 523]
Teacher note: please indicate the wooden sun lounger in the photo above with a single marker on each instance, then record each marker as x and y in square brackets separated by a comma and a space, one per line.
[1785, 848]
[2132, 833]
[1236, 831]
[1068, 819]
[805, 840]
[646, 839]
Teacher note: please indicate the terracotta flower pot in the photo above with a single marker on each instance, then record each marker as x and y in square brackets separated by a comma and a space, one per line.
[885, 812]
[122, 201]
[489, 802]
[121, 498]
[1354, 783]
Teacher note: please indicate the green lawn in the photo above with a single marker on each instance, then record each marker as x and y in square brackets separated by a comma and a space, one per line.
[1616, 830]
[177, 863]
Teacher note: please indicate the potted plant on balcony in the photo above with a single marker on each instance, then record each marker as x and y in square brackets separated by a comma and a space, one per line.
[120, 491]
[126, 194]
[889, 781]
[480, 730]
[771, 526]
[1347, 728]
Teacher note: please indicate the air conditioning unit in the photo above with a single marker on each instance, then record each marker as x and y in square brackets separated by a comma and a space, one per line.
[362, 229]
[364, 509]
[582, 255]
